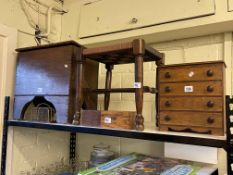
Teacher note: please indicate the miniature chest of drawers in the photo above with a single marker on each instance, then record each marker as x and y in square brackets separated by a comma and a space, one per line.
[191, 97]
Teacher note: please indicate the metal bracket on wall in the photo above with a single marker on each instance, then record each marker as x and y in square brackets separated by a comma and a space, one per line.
[229, 123]
[73, 150]
[4, 136]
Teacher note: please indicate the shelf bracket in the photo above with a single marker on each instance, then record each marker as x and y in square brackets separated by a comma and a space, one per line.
[229, 147]
[73, 150]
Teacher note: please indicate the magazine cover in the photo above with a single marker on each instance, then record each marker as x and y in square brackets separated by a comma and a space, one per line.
[138, 164]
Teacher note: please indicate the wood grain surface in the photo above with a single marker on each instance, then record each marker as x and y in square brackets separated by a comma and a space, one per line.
[117, 119]
[53, 71]
[191, 97]
[197, 130]
[201, 72]
[191, 104]
[199, 88]
[200, 119]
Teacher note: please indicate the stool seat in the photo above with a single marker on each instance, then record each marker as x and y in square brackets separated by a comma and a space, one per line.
[120, 54]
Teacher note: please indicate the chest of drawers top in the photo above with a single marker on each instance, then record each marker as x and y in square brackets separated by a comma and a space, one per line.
[204, 71]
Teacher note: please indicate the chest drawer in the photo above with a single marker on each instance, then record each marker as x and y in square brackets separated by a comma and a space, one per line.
[203, 72]
[191, 104]
[210, 88]
[197, 119]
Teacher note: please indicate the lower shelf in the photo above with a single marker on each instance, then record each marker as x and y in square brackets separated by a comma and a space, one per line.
[148, 134]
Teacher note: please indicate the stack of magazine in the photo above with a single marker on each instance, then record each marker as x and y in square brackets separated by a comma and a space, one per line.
[138, 164]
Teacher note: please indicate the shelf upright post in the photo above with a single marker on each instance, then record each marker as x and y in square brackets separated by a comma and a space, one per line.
[4, 135]
[73, 160]
[229, 124]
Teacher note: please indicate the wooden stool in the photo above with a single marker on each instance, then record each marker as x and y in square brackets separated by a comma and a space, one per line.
[132, 52]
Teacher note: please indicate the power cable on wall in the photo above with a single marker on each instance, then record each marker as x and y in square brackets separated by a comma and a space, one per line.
[60, 1]
[25, 4]
[28, 16]
[34, 7]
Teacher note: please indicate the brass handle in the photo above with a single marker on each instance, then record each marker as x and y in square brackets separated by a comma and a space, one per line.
[209, 73]
[167, 75]
[210, 120]
[210, 88]
[210, 104]
[167, 89]
[168, 104]
[167, 118]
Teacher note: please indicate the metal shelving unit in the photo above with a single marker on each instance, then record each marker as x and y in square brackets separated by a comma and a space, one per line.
[229, 139]
[219, 142]
[201, 140]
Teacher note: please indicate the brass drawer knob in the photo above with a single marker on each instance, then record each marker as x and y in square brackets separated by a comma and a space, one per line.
[209, 73]
[167, 118]
[210, 88]
[167, 89]
[167, 75]
[210, 120]
[168, 104]
[210, 104]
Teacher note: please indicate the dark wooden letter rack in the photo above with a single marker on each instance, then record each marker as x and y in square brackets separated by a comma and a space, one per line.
[50, 79]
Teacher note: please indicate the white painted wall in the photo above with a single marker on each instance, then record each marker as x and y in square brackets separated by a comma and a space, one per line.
[13, 15]
[221, 22]
[8, 37]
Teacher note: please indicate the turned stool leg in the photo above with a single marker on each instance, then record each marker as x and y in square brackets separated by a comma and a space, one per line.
[108, 85]
[139, 51]
[157, 99]
[79, 95]
[139, 121]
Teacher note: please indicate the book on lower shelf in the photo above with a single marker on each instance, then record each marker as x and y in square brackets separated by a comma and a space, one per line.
[138, 164]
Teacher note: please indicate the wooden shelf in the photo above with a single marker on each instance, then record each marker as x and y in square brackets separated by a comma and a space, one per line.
[146, 89]
[148, 134]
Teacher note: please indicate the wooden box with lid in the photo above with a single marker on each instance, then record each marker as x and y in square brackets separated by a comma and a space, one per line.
[108, 119]
[51, 84]
[191, 97]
